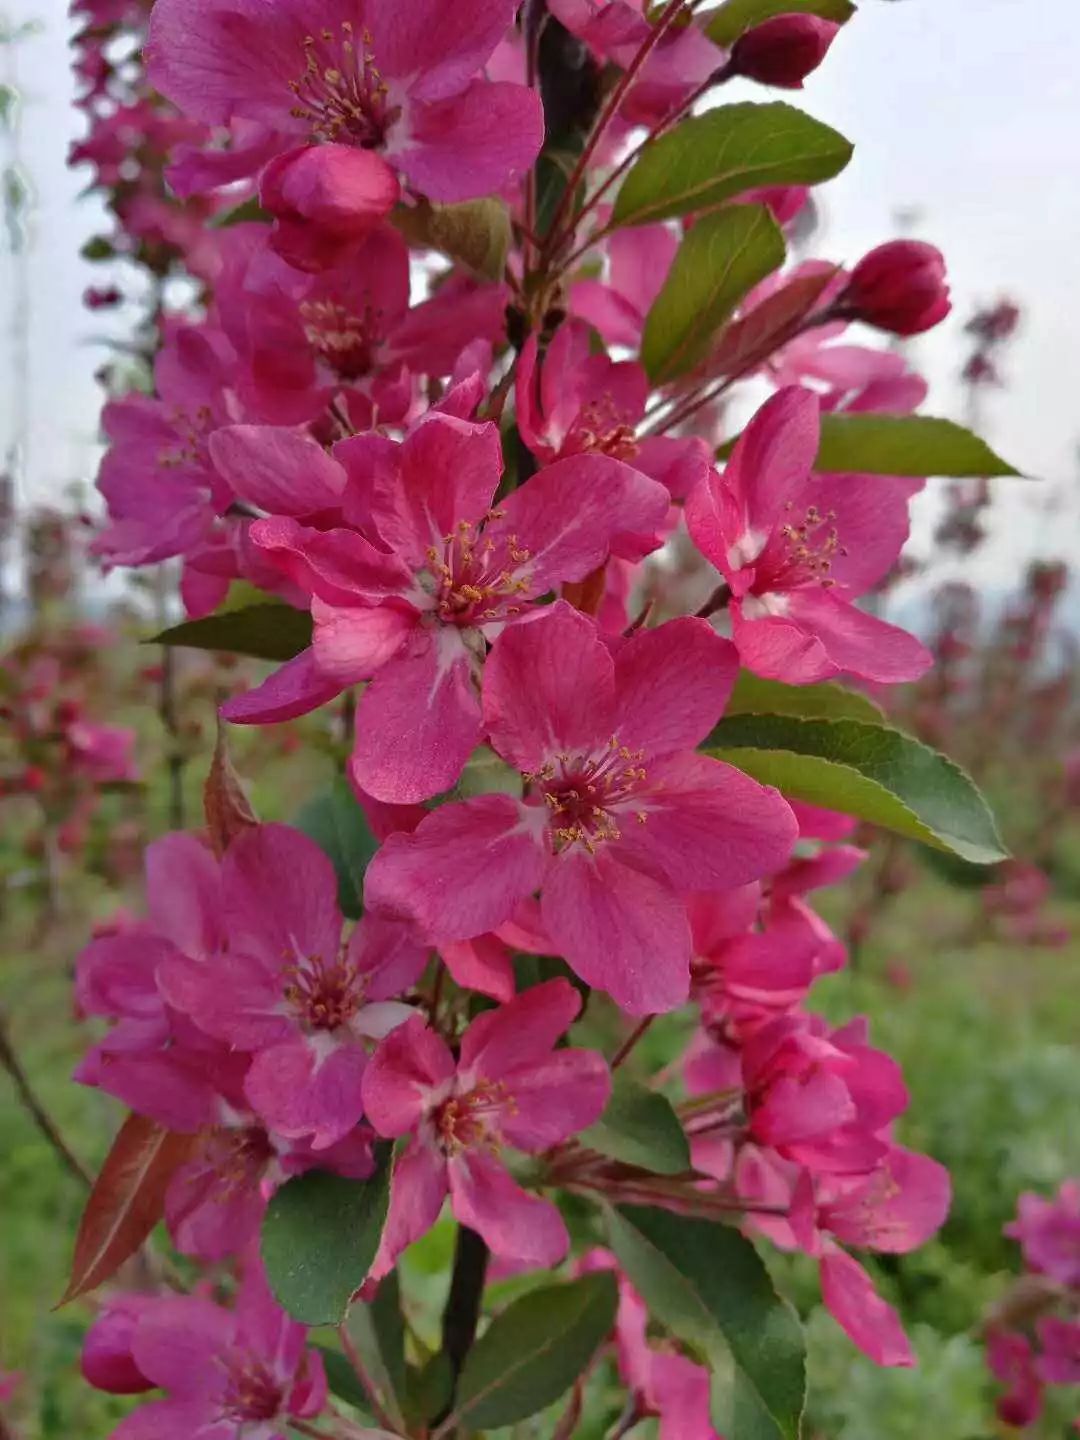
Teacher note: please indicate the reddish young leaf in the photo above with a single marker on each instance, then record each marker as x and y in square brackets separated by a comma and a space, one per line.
[126, 1202]
[225, 803]
[748, 342]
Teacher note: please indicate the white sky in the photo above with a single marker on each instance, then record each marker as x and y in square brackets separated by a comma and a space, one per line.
[967, 111]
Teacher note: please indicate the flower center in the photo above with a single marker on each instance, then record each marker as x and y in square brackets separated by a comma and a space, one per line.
[341, 94]
[191, 431]
[324, 995]
[472, 579]
[586, 793]
[238, 1158]
[470, 1121]
[601, 429]
[251, 1392]
[344, 342]
[802, 552]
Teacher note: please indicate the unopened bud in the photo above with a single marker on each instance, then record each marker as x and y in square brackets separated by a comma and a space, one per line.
[900, 287]
[782, 51]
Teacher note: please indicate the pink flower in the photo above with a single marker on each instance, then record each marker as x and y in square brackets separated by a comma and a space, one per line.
[1059, 1363]
[1012, 1361]
[216, 1200]
[409, 595]
[1049, 1232]
[821, 1099]
[401, 77]
[797, 549]
[233, 1375]
[289, 992]
[348, 331]
[509, 1086]
[899, 287]
[619, 819]
[868, 1321]
[783, 51]
[742, 975]
[157, 477]
[579, 403]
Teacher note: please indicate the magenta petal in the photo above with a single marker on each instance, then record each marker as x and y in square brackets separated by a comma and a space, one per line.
[671, 685]
[184, 893]
[555, 1098]
[570, 514]
[419, 720]
[338, 566]
[410, 1065]
[474, 143]
[869, 1322]
[177, 1344]
[239, 1001]
[464, 870]
[516, 1225]
[774, 454]
[856, 642]
[280, 896]
[278, 470]
[417, 1192]
[896, 1209]
[483, 965]
[449, 472]
[522, 1032]
[388, 954]
[350, 644]
[708, 826]
[620, 930]
[299, 1091]
[548, 688]
[437, 50]
[296, 689]
[172, 1420]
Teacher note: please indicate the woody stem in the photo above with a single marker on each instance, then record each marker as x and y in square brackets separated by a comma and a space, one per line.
[462, 1311]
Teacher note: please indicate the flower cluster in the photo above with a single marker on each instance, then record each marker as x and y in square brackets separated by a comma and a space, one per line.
[1033, 1339]
[471, 481]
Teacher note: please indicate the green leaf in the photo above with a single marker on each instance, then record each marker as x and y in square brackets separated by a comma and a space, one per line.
[755, 696]
[265, 632]
[430, 1390]
[877, 773]
[721, 258]
[726, 152]
[710, 1288]
[319, 1237]
[639, 1127]
[533, 1352]
[378, 1332]
[337, 824]
[735, 16]
[343, 1379]
[475, 233]
[914, 445]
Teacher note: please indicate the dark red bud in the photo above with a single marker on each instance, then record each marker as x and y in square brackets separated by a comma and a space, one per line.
[900, 287]
[783, 51]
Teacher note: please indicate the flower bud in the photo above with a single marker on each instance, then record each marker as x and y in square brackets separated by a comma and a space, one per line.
[782, 51]
[900, 287]
[325, 198]
[107, 1362]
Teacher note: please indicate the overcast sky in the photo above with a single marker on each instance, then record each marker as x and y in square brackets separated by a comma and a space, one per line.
[964, 111]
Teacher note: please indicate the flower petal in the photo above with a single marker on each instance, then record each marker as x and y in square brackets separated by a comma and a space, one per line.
[515, 1225]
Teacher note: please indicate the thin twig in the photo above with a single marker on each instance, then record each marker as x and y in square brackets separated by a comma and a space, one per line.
[352, 1354]
[631, 1040]
[462, 1313]
[615, 99]
[718, 600]
[41, 1117]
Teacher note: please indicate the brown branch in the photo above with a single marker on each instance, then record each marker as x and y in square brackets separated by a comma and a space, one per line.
[40, 1116]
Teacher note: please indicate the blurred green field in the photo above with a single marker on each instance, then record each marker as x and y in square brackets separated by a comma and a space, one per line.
[986, 1032]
